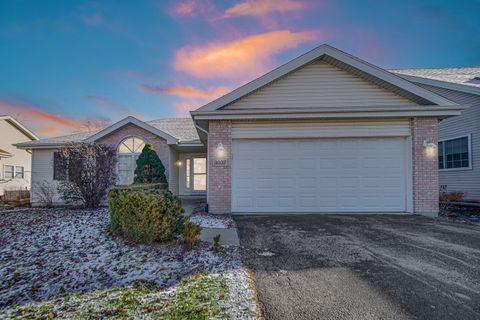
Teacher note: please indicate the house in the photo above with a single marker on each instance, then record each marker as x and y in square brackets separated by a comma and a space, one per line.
[459, 137]
[325, 132]
[15, 164]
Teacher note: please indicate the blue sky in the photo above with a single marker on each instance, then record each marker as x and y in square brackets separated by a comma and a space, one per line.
[65, 62]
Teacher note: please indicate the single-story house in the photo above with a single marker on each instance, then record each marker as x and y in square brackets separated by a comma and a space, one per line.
[14, 163]
[459, 137]
[323, 133]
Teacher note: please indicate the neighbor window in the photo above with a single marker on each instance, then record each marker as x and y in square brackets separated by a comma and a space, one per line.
[128, 152]
[19, 172]
[454, 153]
[8, 172]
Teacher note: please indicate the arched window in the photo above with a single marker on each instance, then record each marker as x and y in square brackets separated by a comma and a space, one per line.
[128, 152]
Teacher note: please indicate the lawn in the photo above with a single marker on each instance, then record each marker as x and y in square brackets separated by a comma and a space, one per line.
[61, 263]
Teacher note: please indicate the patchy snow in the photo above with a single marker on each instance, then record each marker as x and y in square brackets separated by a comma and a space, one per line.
[46, 253]
[212, 221]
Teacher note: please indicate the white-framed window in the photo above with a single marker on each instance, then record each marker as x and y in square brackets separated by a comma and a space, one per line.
[196, 174]
[19, 172]
[455, 153]
[128, 152]
[8, 172]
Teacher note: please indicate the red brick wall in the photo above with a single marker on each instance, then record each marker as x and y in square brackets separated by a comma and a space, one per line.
[219, 187]
[130, 130]
[425, 168]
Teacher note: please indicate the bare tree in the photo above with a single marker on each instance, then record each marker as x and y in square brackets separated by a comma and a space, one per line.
[95, 124]
[89, 170]
[44, 192]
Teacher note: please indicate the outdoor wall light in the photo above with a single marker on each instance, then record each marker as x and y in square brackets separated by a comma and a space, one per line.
[178, 163]
[220, 150]
[430, 148]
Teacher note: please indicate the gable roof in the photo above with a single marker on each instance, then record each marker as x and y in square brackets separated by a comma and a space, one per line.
[465, 79]
[338, 57]
[181, 129]
[19, 126]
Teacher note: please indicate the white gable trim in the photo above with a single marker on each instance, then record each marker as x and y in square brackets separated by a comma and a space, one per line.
[313, 55]
[132, 120]
[442, 84]
[20, 127]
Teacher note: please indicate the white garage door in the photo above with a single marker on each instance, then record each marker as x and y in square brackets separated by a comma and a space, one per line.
[319, 175]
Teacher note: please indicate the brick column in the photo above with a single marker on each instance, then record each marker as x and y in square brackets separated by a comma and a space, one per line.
[219, 186]
[425, 167]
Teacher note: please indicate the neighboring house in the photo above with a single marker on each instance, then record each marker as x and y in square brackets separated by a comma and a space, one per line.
[326, 132]
[15, 164]
[459, 146]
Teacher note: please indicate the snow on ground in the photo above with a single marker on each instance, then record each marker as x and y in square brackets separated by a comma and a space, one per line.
[206, 220]
[45, 253]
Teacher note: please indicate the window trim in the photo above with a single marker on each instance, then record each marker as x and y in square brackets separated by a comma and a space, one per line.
[183, 174]
[469, 144]
[133, 155]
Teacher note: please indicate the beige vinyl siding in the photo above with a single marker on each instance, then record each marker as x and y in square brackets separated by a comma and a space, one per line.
[468, 122]
[10, 135]
[319, 84]
[319, 129]
[42, 173]
[173, 183]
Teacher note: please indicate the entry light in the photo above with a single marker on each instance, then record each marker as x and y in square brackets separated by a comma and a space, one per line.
[178, 163]
[430, 148]
[220, 150]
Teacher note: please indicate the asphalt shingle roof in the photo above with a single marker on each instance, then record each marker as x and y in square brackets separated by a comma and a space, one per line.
[469, 76]
[182, 129]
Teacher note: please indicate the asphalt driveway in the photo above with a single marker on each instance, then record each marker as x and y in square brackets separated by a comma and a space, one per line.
[363, 267]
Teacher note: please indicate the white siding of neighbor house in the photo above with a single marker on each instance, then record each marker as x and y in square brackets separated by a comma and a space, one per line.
[10, 135]
[319, 84]
[468, 122]
[42, 173]
[173, 183]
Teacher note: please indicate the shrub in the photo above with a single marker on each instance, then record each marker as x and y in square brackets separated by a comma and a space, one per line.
[45, 192]
[143, 215]
[191, 234]
[150, 168]
[216, 243]
[86, 171]
[453, 196]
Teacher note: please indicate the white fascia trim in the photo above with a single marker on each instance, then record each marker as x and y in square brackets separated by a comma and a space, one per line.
[415, 111]
[314, 54]
[20, 127]
[132, 120]
[442, 84]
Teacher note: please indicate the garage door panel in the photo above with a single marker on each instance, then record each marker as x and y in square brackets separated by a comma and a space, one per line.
[319, 175]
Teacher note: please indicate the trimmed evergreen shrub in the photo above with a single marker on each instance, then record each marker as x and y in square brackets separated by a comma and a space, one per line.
[150, 168]
[191, 234]
[143, 215]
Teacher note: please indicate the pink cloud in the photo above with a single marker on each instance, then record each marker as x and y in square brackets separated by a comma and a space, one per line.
[262, 8]
[42, 122]
[186, 91]
[239, 59]
[192, 8]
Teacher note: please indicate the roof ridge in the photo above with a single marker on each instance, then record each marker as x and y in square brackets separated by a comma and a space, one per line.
[444, 68]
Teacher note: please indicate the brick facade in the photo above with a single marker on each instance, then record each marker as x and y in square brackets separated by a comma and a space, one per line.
[130, 130]
[219, 188]
[425, 167]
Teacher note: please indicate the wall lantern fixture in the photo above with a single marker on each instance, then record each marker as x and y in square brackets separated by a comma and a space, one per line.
[430, 148]
[178, 163]
[220, 150]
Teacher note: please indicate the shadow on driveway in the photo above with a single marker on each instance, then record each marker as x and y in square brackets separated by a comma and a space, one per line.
[363, 266]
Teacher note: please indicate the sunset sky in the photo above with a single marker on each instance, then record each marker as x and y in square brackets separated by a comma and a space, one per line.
[65, 62]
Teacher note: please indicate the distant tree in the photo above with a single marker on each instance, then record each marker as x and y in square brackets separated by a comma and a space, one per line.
[149, 168]
[88, 171]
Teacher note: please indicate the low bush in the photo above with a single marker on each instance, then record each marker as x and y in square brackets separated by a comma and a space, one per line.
[144, 213]
[191, 234]
[454, 196]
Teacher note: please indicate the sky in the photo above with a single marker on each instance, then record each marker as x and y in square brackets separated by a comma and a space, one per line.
[70, 66]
